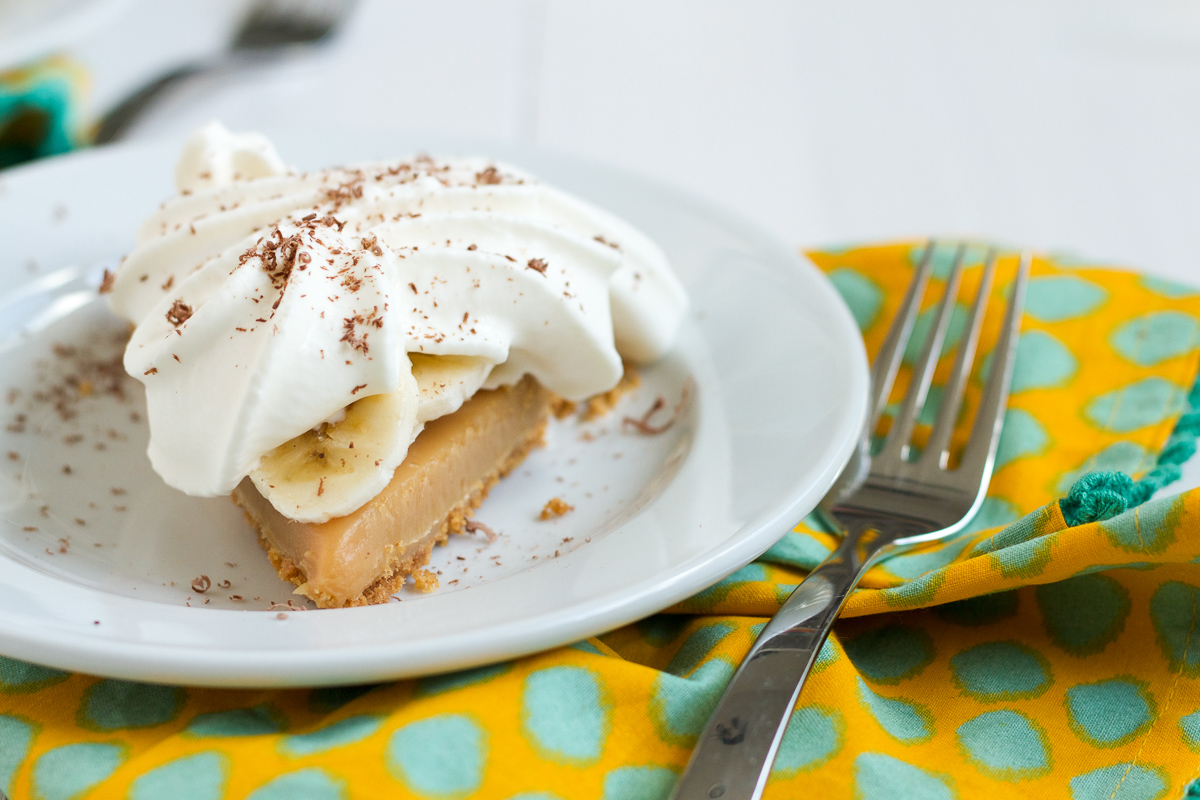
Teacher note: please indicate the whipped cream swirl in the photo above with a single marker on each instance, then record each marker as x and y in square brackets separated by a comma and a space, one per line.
[267, 300]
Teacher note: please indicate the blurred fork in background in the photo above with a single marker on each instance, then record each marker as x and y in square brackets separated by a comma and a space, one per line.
[271, 28]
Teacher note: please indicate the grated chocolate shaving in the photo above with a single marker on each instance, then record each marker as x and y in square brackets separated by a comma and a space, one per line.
[371, 244]
[106, 284]
[489, 176]
[474, 526]
[537, 265]
[643, 425]
[353, 336]
[201, 585]
[179, 313]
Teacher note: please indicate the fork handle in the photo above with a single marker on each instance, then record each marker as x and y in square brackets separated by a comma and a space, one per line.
[114, 124]
[733, 756]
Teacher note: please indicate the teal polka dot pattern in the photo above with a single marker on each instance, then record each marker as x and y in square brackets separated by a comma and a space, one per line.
[877, 775]
[661, 630]
[1151, 339]
[915, 592]
[679, 707]
[16, 735]
[1173, 609]
[1120, 782]
[1140, 566]
[1107, 603]
[720, 590]
[924, 325]
[994, 513]
[998, 671]
[944, 255]
[863, 296]
[198, 777]
[1055, 298]
[933, 404]
[891, 653]
[1023, 436]
[698, 646]
[1024, 560]
[1148, 401]
[1110, 713]
[1005, 745]
[1189, 728]
[325, 699]
[1032, 526]
[1149, 528]
[1166, 288]
[982, 610]
[1124, 456]
[437, 684]
[443, 756]
[626, 783]
[815, 734]
[260, 720]
[907, 722]
[303, 784]
[585, 646]
[535, 796]
[565, 714]
[797, 550]
[1043, 362]
[826, 656]
[66, 772]
[111, 705]
[337, 734]
[21, 677]
[917, 564]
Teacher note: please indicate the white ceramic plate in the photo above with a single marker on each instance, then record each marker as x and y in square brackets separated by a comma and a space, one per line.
[97, 556]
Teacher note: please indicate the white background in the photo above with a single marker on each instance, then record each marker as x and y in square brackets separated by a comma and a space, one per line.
[1065, 125]
[1069, 126]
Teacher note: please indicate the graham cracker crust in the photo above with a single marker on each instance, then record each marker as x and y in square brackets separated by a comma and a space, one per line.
[599, 405]
[404, 561]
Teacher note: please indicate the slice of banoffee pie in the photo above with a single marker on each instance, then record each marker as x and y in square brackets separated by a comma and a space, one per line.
[358, 354]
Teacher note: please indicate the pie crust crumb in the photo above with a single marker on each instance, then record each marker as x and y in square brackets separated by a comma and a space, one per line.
[556, 507]
[425, 580]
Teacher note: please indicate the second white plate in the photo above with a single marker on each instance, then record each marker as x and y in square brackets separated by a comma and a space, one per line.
[97, 556]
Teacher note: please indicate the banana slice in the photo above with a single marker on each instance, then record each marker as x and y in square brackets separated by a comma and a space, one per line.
[336, 468]
[446, 382]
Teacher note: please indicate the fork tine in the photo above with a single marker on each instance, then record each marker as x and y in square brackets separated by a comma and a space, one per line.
[896, 446]
[980, 452]
[938, 447]
[887, 362]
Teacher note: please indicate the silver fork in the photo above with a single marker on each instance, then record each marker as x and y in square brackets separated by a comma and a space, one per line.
[903, 499]
[269, 27]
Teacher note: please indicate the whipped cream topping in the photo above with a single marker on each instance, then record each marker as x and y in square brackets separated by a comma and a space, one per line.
[267, 300]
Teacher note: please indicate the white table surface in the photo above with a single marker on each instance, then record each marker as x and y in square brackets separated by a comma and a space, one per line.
[1063, 125]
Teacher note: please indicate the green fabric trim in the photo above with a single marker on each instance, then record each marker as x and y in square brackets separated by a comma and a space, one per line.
[1098, 496]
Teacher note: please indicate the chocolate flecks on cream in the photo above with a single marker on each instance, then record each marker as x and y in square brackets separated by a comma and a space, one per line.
[463, 236]
[179, 313]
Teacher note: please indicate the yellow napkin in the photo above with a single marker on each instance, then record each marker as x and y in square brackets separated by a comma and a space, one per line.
[1049, 652]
